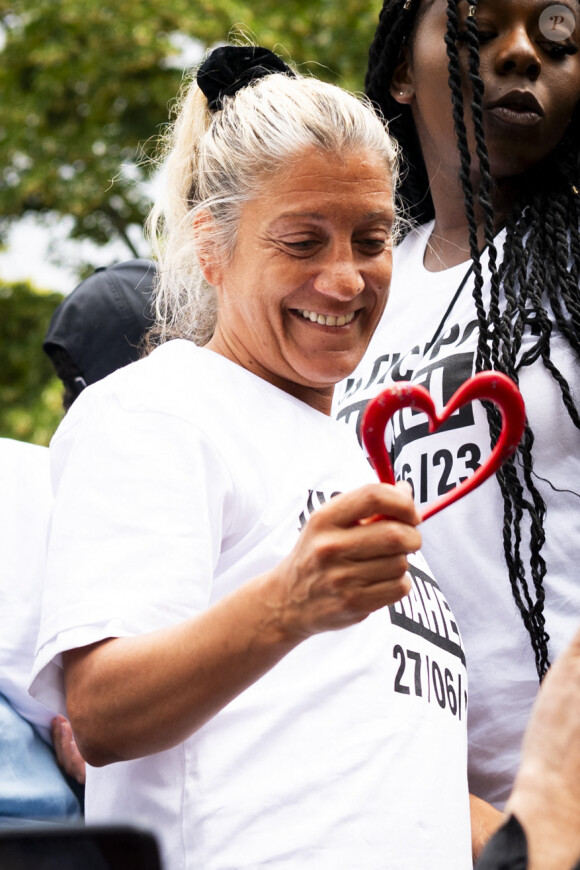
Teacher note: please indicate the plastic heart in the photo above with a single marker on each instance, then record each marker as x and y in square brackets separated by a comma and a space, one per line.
[492, 386]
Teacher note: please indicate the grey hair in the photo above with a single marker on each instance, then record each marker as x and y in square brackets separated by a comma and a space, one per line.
[216, 163]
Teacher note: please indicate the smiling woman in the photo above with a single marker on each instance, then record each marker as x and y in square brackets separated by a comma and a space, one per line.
[293, 245]
[221, 616]
[309, 277]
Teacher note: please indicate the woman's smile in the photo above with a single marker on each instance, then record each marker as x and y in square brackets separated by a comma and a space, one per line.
[327, 319]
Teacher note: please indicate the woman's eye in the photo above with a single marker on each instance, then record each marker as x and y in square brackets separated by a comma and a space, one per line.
[301, 246]
[373, 245]
[559, 50]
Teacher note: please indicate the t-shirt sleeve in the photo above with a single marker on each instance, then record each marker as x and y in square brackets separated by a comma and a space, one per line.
[136, 529]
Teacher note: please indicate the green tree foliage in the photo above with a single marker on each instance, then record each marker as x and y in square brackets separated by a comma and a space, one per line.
[86, 86]
[30, 392]
[330, 37]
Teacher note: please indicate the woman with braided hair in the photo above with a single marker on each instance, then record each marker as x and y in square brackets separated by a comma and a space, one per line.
[483, 99]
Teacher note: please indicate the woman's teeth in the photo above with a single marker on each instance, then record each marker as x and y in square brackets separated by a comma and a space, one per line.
[327, 320]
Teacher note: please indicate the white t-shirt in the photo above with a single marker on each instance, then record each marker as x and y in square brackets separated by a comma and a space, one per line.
[25, 505]
[178, 478]
[463, 544]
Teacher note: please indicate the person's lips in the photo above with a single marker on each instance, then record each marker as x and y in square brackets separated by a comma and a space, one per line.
[520, 108]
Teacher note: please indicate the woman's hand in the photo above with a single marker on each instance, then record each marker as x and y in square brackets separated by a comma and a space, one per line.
[349, 561]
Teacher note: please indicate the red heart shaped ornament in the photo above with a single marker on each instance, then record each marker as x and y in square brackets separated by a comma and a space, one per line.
[492, 386]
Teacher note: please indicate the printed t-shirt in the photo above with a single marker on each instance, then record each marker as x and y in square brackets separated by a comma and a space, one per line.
[177, 479]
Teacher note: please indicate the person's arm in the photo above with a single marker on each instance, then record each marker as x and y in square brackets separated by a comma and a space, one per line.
[485, 821]
[544, 807]
[129, 697]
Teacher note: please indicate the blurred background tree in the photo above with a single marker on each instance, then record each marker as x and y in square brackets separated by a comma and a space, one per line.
[85, 89]
[30, 392]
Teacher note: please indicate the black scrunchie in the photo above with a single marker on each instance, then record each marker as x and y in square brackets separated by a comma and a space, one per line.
[231, 67]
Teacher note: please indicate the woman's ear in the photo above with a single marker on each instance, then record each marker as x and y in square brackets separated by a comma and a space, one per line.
[401, 89]
[205, 246]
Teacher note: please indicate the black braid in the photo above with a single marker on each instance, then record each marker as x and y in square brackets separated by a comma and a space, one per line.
[573, 304]
[539, 273]
[496, 335]
[484, 188]
[454, 68]
[394, 28]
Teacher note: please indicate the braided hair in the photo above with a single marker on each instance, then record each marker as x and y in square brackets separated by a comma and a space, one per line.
[540, 270]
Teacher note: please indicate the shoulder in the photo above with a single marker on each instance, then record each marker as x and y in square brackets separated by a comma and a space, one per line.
[24, 469]
[11, 450]
[164, 382]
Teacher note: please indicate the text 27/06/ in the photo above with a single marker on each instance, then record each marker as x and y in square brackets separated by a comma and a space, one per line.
[423, 677]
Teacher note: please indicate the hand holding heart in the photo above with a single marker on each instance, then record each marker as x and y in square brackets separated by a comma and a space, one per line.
[345, 566]
[351, 557]
[492, 386]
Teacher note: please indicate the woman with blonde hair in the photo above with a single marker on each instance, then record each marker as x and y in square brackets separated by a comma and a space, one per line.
[223, 621]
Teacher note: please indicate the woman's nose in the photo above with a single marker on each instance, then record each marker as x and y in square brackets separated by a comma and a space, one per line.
[518, 54]
[340, 277]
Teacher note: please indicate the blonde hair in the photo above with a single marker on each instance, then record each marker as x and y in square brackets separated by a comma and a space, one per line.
[217, 162]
